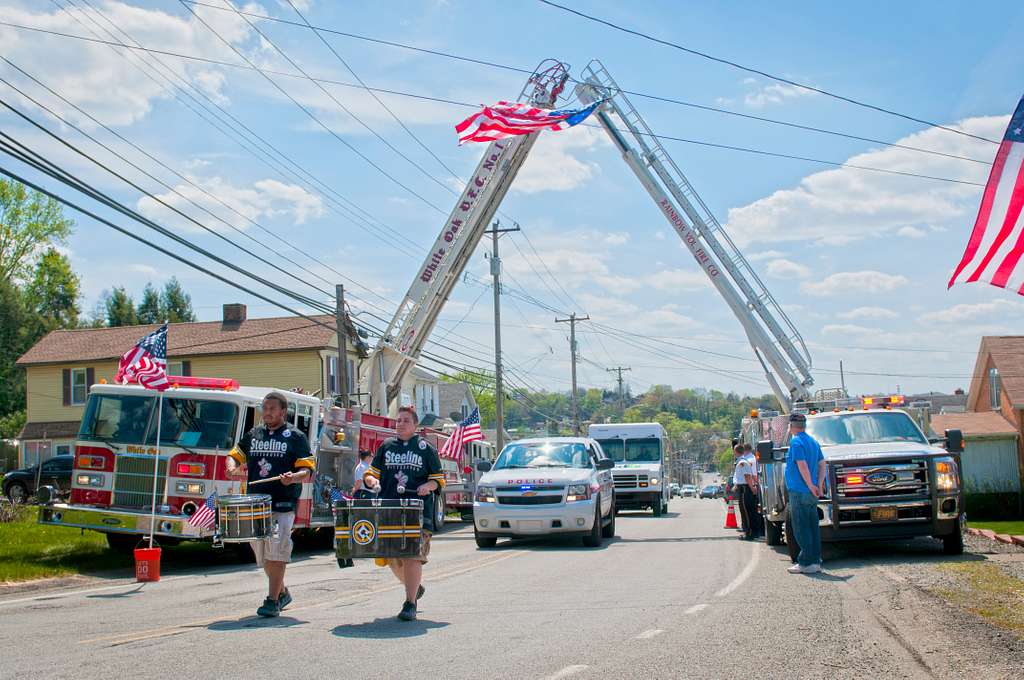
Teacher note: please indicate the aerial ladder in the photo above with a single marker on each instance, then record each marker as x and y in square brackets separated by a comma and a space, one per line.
[400, 346]
[777, 344]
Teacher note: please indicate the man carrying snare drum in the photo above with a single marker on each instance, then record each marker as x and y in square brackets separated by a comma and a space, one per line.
[407, 466]
[274, 449]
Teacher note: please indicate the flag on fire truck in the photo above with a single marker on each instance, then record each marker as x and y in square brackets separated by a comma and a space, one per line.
[206, 514]
[996, 246]
[507, 119]
[466, 431]
[146, 363]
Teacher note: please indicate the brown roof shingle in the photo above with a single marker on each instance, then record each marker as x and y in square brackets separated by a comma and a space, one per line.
[977, 424]
[185, 339]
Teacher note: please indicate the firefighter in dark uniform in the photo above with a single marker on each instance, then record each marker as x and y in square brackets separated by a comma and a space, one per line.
[407, 466]
[269, 450]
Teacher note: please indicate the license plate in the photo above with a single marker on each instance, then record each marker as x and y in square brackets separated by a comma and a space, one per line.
[883, 515]
[531, 525]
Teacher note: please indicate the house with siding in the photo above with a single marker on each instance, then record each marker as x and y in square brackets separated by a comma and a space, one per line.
[284, 352]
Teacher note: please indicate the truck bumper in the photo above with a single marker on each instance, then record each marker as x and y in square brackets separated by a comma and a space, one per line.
[936, 528]
[931, 517]
[636, 499]
[118, 521]
[494, 519]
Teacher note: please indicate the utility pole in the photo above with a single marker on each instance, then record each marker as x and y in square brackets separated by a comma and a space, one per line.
[339, 301]
[499, 389]
[619, 370]
[842, 378]
[572, 348]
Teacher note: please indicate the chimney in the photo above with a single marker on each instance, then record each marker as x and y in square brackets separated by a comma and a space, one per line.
[234, 312]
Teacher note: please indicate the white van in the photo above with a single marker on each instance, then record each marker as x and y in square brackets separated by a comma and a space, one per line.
[641, 471]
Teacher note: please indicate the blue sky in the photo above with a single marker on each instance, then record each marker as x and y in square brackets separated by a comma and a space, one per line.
[859, 259]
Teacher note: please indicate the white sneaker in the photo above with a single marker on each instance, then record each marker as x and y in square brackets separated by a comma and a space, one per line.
[811, 569]
[796, 569]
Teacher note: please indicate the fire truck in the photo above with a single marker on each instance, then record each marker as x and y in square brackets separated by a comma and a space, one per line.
[118, 462]
[888, 476]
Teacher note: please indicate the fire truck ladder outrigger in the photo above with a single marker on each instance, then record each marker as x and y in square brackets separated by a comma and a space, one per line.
[400, 347]
[775, 340]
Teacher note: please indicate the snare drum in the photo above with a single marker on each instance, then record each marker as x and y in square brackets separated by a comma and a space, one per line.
[375, 527]
[244, 518]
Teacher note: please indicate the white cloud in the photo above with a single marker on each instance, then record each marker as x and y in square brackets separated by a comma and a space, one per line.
[861, 282]
[267, 198]
[554, 164]
[659, 235]
[617, 238]
[100, 80]
[143, 269]
[844, 205]
[757, 256]
[967, 312]
[912, 232]
[868, 313]
[775, 93]
[787, 269]
[849, 329]
[678, 280]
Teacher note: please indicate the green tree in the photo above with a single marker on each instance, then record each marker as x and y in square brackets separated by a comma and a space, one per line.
[120, 308]
[11, 424]
[13, 343]
[52, 294]
[150, 310]
[176, 304]
[28, 221]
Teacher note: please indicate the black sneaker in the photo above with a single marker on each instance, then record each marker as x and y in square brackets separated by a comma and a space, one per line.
[284, 599]
[408, 612]
[270, 608]
[419, 592]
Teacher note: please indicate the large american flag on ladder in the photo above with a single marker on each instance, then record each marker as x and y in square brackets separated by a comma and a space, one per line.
[507, 119]
[466, 431]
[994, 251]
[146, 363]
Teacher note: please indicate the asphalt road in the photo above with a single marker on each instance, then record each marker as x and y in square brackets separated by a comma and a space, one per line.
[677, 596]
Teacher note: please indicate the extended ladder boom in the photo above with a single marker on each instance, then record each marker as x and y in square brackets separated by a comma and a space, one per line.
[401, 345]
[772, 335]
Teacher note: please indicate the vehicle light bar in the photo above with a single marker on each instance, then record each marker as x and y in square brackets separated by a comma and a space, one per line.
[92, 462]
[225, 384]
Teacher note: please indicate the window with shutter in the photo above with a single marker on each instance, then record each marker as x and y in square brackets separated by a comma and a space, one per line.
[66, 384]
[79, 386]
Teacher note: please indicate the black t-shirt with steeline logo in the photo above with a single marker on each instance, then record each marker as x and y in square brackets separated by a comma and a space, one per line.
[409, 464]
[269, 453]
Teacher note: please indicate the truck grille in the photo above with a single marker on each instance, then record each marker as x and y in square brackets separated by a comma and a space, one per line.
[529, 500]
[628, 481]
[903, 478]
[133, 481]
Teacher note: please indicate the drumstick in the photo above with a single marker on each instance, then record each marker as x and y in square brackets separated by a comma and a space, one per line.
[264, 481]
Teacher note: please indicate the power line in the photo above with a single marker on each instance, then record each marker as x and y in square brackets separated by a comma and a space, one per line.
[759, 72]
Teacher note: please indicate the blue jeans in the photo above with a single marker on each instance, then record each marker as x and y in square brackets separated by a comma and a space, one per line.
[803, 509]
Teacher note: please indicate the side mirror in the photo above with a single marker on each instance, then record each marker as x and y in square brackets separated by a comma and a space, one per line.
[605, 464]
[954, 441]
[764, 450]
[484, 466]
[779, 455]
[46, 495]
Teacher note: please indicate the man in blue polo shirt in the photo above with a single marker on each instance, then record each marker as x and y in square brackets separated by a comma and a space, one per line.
[805, 482]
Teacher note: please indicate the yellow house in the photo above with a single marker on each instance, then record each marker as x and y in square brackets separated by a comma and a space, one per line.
[285, 352]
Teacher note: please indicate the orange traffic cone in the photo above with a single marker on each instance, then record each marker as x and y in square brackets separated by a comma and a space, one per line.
[730, 518]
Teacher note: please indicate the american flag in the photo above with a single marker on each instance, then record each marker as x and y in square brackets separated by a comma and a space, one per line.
[507, 119]
[146, 363]
[994, 251]
[206, 514]
[466, 431]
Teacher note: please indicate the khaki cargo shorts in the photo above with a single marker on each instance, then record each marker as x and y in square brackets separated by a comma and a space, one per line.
[278, 547]
[398, 561]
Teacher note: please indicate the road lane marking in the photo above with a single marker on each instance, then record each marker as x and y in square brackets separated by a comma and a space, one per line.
[648, 634]
[742, 576]
[696, 608]
[567, 671]
[167, 631]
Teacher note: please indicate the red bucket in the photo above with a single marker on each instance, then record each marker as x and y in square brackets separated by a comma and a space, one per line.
[147, 564]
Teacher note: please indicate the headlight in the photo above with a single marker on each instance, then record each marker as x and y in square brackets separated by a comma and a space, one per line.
[946, 477]
[485, 494]
[654, 480]
[89, 480]
[578, 492]
[191, 488]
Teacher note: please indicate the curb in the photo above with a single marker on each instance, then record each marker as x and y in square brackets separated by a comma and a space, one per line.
[1019, 540]
[993, 536]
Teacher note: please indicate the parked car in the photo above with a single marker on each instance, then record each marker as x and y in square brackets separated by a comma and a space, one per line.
[709, 491]
[675, 490]
[688, 491]
[20, 485]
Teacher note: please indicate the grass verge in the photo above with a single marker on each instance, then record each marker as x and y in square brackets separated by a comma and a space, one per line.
[988, 592]
[1014, 528]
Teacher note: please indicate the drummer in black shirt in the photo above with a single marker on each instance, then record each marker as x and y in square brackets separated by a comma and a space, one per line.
[270, 450]
[407, 466]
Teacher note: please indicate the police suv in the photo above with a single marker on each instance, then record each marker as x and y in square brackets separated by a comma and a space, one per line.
[546, 486]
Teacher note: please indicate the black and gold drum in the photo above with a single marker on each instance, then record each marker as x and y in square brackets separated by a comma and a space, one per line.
[374, 527]
[244, 518]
